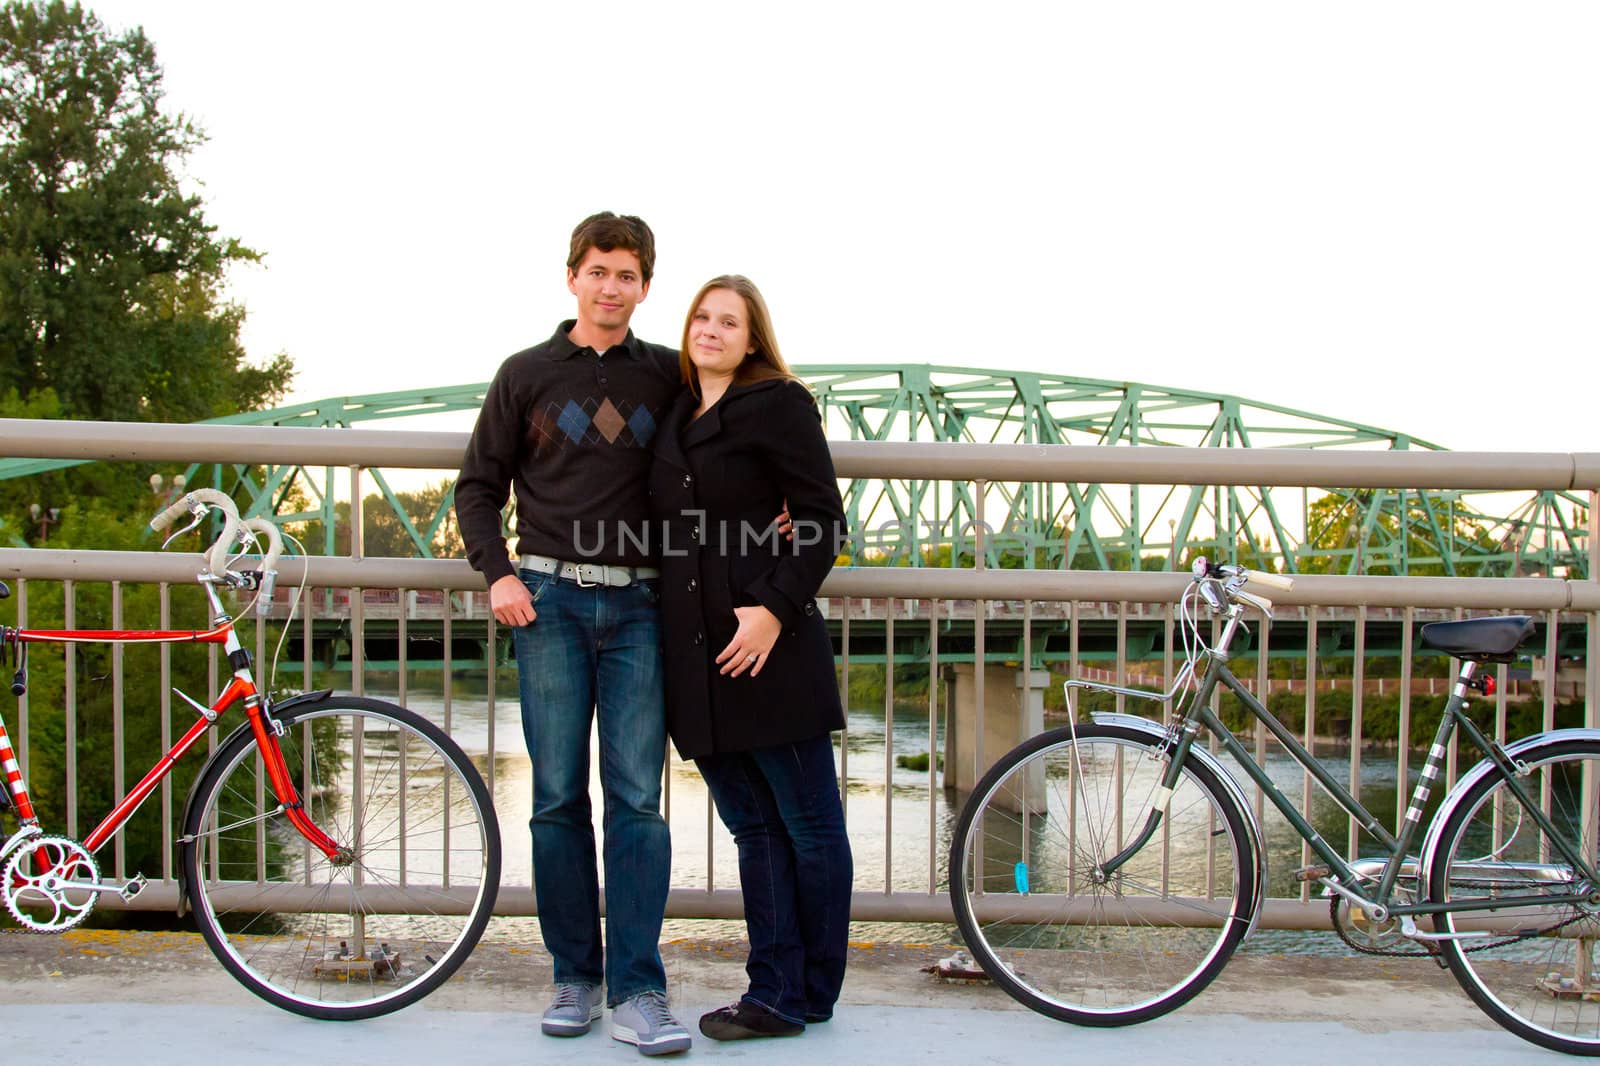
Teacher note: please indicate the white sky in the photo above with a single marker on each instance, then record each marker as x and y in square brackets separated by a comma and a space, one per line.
[1388, 212]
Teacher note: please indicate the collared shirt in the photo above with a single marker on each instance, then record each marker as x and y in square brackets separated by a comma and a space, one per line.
[569, 430]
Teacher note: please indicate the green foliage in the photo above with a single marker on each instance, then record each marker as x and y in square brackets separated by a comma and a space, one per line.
[383, 535]
[1363, 531]
[110, 276]
[1380, 715]
[867, 684]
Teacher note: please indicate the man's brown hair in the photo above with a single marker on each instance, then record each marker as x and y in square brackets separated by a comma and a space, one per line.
[608, 231]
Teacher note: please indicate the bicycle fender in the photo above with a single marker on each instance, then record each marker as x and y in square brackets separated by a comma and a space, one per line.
[1481, 769]
[188, 804]
[1157, 731]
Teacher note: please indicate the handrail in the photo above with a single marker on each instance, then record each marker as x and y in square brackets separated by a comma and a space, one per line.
[1291, 467]
[1472, 593]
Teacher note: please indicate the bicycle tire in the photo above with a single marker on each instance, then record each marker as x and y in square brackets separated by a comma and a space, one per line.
[1130, 948]
[347, 940]
[1517, 982]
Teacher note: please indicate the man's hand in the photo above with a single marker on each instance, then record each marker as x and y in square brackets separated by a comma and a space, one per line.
[759, 630]
[510, 601]
[785, 522]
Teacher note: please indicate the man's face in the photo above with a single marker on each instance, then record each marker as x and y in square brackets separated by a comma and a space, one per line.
[608, 285]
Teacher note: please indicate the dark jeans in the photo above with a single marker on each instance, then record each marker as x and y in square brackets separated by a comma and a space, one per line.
[597, 650]
[782, 806]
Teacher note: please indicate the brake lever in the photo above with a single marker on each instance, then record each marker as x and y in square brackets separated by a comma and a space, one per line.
[199, 514]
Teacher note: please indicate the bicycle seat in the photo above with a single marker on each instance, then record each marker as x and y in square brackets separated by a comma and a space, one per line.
[1484, 640]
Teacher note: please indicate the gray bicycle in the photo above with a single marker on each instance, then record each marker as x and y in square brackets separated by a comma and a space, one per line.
[1104, 873]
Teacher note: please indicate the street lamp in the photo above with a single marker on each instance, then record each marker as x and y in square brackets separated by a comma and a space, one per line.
[44, 518]
[172, 493]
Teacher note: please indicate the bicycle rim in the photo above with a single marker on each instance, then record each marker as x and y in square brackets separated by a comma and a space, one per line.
[1069, 942]
[381, 926]
[1544, 987]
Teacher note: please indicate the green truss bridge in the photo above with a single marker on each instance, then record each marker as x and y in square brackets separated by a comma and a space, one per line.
[1084, 526]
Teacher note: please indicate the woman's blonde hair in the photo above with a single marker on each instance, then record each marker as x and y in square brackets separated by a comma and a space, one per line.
[762, 364]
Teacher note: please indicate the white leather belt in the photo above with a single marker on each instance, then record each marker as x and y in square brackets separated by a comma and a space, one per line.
[589, 575]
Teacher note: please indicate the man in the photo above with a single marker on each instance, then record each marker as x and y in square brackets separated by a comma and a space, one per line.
[568, 424]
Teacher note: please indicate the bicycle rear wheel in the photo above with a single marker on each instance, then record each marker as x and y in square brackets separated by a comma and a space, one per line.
[1068, 941]
[383, 925]
[1544, 987]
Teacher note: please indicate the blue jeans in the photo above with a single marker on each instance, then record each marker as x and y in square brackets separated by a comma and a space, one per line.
[782, 806]
[597, 649]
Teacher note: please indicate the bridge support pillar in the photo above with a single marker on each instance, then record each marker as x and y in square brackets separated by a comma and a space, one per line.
[1013, 710]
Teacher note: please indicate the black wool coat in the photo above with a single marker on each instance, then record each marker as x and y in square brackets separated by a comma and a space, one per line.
[716, 486]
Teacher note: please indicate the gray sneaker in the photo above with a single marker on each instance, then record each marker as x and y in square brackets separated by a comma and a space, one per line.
[573, 1010]
[646, 1022]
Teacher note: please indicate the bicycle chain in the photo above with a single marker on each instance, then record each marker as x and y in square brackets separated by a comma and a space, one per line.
[1425, 952]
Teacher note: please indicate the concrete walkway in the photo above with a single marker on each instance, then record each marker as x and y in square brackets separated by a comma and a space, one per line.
[160, 999]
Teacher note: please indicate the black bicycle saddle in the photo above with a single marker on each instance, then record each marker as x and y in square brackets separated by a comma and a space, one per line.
[1484, 640]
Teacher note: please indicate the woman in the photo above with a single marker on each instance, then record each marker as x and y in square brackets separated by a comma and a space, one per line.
[751, 693]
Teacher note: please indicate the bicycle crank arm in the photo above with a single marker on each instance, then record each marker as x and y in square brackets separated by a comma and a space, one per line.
[1409, 930]
[126, 891]
[1373, 911]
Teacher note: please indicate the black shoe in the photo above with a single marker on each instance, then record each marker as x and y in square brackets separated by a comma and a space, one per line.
[746, 1021]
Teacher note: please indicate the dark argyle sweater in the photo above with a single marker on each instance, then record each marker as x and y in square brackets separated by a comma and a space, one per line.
[570, 430]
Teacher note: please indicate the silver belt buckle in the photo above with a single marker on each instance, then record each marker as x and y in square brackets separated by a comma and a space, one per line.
[577, 575]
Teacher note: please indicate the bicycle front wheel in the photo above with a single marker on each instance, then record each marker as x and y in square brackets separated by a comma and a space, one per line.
[1529, 961]
[1056, 931]
[398, 910]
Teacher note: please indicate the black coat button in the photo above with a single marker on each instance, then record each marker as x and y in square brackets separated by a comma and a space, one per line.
[699, 638]
[693, 584]
[688, 479]
[694, 532]
[811, 607]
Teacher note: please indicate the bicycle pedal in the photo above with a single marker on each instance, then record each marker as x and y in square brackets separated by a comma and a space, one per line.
[1312, 873]
[132, 888]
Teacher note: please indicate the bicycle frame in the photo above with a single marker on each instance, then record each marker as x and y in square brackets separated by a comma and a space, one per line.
[1200, 715]
[241, 688]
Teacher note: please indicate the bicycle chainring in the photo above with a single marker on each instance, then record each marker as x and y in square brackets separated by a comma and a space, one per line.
[42, 884]
[1373, 938]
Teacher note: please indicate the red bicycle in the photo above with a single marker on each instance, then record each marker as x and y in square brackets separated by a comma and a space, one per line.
[340, 854]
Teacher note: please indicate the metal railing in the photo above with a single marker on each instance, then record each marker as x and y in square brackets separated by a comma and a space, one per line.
[899, 818]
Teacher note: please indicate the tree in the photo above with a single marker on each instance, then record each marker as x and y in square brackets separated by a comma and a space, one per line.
[430, 511]
[110, 276]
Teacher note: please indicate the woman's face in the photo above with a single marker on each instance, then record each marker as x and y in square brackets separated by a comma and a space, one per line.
[719, 334]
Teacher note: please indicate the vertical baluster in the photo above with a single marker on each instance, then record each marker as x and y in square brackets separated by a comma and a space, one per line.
[1358, 678]
[844, 698]
[22, 701]
[164, 673]
[404, 807]
[933, 743]
[69, 592]
[1310, 735]
[888, 745]
[119, 778]
[1403, 762]
[1263, 664]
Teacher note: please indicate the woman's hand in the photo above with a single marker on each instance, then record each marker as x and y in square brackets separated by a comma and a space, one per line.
[759, 630]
